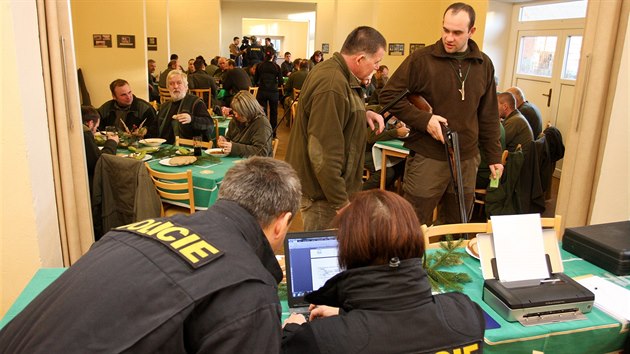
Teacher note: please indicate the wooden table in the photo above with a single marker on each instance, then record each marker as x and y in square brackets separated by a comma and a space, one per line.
[384, 150]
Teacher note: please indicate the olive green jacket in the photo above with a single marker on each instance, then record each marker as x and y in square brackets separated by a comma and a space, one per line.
[328, 140]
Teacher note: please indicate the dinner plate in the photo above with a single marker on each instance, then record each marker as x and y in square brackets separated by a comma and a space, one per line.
[190, 152]
[146, 157]
[167, 162]
[472, 248]
[218, 152]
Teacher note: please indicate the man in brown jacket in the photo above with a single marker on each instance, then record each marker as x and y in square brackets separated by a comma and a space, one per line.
[457, 80]
[327, 144]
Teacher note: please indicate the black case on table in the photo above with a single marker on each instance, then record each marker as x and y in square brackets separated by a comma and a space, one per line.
[605, 245]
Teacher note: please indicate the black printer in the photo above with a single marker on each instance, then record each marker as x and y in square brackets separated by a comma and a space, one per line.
[536, 301]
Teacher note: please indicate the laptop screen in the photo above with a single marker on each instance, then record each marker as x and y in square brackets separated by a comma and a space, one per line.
[311, 259]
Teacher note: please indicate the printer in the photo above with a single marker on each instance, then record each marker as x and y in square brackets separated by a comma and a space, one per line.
[555, 298]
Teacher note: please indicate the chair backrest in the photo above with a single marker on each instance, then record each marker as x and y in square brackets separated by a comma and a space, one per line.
[204, 94]
[274, 147]
[296, 93]
[293, 113]
[554, 223]
[253, 90]
[165, 95]
[189, 142]
[433, 235]
[168, 182]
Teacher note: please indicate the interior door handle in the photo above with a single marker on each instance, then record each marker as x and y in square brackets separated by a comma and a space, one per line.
[548, 98]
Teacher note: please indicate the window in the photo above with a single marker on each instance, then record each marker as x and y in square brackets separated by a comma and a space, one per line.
[572, 58]
[558, 11]
[536, 55]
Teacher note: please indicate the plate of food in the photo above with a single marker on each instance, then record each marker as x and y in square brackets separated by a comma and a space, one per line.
[179, 161]
[472, 248]
[152, 141]
[184, 151]
[138, 156]
[218, 152]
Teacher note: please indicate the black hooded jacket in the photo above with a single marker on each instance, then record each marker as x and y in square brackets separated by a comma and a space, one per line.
[388, 310]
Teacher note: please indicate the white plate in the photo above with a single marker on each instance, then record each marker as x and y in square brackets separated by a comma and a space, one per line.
[167, 162]
[218, 152]
[146, 157]
[188, 154]
[472, 248]
[152, 142]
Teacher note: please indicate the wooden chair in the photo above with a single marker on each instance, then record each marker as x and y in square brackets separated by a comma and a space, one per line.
[480, 194]
[166, 183]
[296, 93]
[253, 90]
[433, 235]
[189, 142]
[274, 147]
[165, 95]
[205, 95]
[293, 113]
[154, 104]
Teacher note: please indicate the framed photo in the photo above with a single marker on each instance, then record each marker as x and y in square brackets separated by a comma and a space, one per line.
[397, 49]
[151, 43]
[325, 48]
[102, 40]
[126, 41]
[415, 46]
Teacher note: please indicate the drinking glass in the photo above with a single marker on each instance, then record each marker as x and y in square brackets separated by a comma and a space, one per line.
[197, 145]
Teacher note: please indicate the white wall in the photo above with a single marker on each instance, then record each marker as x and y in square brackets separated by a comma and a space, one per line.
[233, 13]
[612, 196]
[29, 233]
[496, 38]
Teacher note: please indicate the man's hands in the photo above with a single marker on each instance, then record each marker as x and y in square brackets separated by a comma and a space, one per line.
[434, 128]
[372, 118]
[496, 170]
[183, 118]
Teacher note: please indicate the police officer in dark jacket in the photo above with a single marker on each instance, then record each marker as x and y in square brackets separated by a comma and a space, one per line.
[383, 303]
[200, 283]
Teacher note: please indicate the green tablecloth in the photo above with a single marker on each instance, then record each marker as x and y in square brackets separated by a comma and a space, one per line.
[206, 179]
[600, 333]
[393, 144]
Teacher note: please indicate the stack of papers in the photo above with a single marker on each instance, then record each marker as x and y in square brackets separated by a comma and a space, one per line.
[610, 298]
[519, 247]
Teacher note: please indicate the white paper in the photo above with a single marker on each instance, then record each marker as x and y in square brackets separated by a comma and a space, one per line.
[519, 247]
[609, 297]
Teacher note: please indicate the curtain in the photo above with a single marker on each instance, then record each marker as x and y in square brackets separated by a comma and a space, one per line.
[606, 23]
[66, 132]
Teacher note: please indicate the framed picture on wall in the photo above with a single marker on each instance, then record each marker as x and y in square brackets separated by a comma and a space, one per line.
[151, 43]
[415, 46]
[102, 40]
[325, 48]
[126, 41]
[397, 49]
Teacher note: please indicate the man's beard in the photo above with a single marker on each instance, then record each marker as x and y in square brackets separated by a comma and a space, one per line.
[178, 96]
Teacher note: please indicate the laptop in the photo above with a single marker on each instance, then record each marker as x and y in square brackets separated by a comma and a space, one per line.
[311, 259]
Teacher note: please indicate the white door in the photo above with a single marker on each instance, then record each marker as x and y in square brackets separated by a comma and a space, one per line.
[545, 69]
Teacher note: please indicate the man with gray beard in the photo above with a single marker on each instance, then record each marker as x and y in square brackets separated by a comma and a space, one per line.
[186, 115]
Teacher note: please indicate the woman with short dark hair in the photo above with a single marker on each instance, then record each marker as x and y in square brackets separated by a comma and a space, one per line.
[382, 302]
